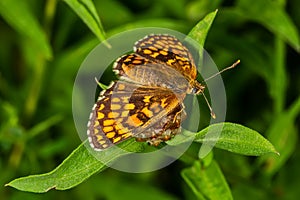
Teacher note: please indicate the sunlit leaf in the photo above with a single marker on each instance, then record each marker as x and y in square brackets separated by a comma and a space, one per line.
[235, 138]
[86, 10]
[231, 137]
[76, 168]
[199, 32]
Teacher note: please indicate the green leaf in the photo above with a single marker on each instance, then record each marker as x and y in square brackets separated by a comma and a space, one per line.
[199, 32]
[235, 138]
[207, 182]
[86, 10]
[76, 168]
[228, 136]
[101, 85]
[19, 16]
[273, 17]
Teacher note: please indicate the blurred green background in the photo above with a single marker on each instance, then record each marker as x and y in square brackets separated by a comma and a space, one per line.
[42, 44]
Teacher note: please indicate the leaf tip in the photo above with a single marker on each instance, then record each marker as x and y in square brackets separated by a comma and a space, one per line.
[107, 44]
[6, 185]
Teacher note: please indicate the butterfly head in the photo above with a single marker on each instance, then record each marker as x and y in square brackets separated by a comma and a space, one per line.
[196, 88]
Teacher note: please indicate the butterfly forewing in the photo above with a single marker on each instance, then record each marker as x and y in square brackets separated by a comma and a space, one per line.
[137, 69]
[167, 50]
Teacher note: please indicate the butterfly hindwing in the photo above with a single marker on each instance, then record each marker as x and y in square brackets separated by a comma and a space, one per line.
[127, 110]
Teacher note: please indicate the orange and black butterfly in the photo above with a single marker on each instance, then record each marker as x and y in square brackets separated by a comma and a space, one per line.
[147, 101]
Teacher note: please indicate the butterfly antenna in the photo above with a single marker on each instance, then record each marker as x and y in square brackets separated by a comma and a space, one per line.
[213, 115]
[223, 70]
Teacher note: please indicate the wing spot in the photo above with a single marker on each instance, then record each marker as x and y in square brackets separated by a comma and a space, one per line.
[128, 59]
[147, 99]
[147, 112]
[154, 55]
[170, 62]
[163, 52]
[147, 51]
[160, 43]
[121, 87]
[125, 113]
[117, 139]
[133, 120]
[129, 106]
[115, 106]
[107, 129]
[158, 46]
[100, 115]
[119, 127]
[115, 99]
[113, 115]
[108, 122]
[99, 137]
[101, 106]
[102, 142]
[125, 99]
[137, 62]
[153, 48]
[126, 135]
[163, 102]
[96, 123]
[122, 131]
[110, 134]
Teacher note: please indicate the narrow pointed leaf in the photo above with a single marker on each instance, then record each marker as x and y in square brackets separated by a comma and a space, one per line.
[76, 168]
[199, 32]
[235, 138]
[86, 10]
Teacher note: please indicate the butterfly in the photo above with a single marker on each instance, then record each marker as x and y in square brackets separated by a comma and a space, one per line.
[147, 101]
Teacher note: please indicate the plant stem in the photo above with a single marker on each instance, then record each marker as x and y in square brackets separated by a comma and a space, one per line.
[280, 77]
[39, 69]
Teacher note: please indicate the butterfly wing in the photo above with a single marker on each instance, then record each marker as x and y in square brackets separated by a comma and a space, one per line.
[167, 50]
[127, 110]
[137, 69]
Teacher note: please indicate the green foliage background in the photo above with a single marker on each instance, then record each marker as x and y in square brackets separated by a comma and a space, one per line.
[42, 44]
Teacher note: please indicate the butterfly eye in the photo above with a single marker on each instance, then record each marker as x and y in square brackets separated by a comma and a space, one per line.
[195, 91]
[197, 88]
